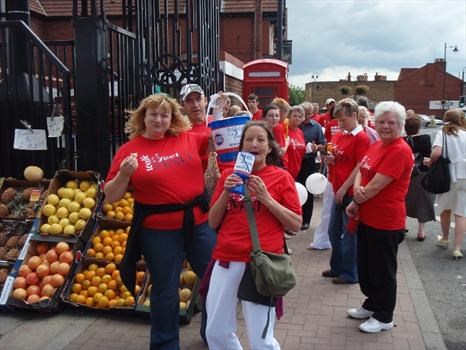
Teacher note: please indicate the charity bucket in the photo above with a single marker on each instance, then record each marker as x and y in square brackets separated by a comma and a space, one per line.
[227, 135]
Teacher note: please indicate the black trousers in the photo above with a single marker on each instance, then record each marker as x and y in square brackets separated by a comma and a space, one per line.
[308, 167]
[377, 265]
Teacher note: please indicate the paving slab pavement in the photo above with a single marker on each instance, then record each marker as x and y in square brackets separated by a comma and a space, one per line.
[315, 316]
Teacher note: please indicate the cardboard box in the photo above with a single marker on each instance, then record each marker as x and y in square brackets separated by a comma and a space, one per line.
[27, 202]
[60, 179]
[52, 304]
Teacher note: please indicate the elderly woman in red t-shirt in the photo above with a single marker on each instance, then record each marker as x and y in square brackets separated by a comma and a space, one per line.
[379, 202]
[162, 163]
[276, 208]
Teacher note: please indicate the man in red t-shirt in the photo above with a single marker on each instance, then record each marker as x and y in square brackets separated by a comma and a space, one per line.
[253, 105]
[349, 147]
[194, 103]
[327, 116]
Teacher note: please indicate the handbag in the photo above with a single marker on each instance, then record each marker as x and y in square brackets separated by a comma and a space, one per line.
[212, 174]
[272, 273]
[437, 179]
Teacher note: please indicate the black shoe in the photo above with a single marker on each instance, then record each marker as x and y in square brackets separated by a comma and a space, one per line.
[329, 273]
[304, 227]
[339, 280]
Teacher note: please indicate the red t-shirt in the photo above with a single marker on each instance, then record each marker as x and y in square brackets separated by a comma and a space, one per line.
[202, 128]
[324, 119]
[257, 115]
[233, 239]
[348, 150]
[295, 151]
[169, 172]
[315, 117]
[331, 129]
[387, 210]
[279, 136]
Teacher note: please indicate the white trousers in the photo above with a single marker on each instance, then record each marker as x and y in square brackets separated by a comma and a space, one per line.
[321, 240]
[221, 313]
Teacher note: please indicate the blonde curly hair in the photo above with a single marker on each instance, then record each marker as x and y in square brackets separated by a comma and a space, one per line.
[179, 122]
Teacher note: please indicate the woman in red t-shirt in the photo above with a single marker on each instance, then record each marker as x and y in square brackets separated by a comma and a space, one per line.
[272, 118]
[162, 164]
[276, 208]
[379, 202]
[297, 147]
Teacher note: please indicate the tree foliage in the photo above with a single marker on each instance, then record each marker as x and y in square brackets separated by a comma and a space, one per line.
[296, 95]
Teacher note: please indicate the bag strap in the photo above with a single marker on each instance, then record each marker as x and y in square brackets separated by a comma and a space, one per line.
[445, 143]
[251, 220]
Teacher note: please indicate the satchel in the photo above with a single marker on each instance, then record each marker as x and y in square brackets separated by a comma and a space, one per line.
[273, 274]
[212, 174]
[437, 179]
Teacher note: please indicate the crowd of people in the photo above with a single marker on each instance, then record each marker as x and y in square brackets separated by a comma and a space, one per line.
[375, 163]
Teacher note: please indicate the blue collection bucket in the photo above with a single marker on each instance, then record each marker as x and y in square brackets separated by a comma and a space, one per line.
[227, 135]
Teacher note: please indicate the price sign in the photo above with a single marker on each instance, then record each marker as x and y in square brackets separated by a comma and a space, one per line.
[55, 126]
[30, 140]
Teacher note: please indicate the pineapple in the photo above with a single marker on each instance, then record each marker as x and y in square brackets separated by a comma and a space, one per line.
[8, 195]
[4, 211]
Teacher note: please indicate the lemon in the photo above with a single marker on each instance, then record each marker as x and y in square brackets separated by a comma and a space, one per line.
[69, 230]
[53, 219]
[71, 184]
[89, 202]
[62, 212]
[45, 228]
[84, 185]
[85, 213]
[48, 210]
[79, 225]
[64, 222]
[53, 199]
[74, 217]
[55, 229]
[64, 202]
[74, 207]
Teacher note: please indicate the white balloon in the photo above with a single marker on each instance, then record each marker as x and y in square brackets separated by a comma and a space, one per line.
[302, 193]
[316, 183]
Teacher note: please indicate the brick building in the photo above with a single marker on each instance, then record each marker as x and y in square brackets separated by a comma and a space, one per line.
[415, 87]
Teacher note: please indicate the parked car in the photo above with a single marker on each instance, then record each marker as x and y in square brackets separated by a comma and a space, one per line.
[427, 120]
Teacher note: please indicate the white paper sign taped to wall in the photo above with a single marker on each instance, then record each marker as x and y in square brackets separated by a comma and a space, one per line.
[30, 139]
[55, 126]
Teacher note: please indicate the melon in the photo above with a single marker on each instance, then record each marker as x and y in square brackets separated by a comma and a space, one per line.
[33, 173]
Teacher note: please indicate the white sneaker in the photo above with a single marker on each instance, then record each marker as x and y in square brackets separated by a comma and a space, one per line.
[360, 313]
[374, 326]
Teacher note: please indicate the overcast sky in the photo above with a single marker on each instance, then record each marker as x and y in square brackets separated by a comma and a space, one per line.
[334, 37]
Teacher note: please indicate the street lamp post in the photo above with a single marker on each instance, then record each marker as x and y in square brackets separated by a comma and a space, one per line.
[454, 49]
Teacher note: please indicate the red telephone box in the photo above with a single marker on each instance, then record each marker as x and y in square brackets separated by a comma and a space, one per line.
[267, 78]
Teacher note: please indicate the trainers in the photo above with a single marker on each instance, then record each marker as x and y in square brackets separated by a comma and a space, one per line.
[374, 326]
[457, 254]
[360, 313]
[442, 243]
[329, 273]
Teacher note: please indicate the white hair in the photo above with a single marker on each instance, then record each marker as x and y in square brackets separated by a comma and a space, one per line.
[391, 107]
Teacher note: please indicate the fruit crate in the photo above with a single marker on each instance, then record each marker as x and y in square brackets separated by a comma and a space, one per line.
[21, 199]
[41, 277]
[108, 241]
[79, 294]
[6, 283]
[121, 210]
[14, 238]
[71, 206]
[186, 311]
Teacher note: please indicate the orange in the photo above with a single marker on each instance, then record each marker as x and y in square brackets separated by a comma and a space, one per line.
[115, 273]
[79, 277]
[84, 293]
[120, 302]
[140, 276]
[93, 267]
[115, 244]
[106, 278]
[102, 287]
[99, 255]
[115, 237]
[97, 297]
[124, 203]
[119, 215]
[128, 217]
[81, 299]
[119, 231]
[90, 302]
[123, 237]
[137, 289]
[110, 294]
[124, 290]
[90, 252]
[118, 258]
[129, 301]
[104, 233]
[127, 210]
[107, 249]
[130, 201]
[100, 271]
[107, 207]
[110, 268]
[127, 195]
[128, 229]
[103, 302]
[111, 214]
[113, 285]
[73, 297]
[86, 284]
[89, 274]
[96, 240]
[76, 287]
[92, 290]
[98, 247]
[112, 303]
[118, 250]
[96, 280]
[109, 257]
[107, 241]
